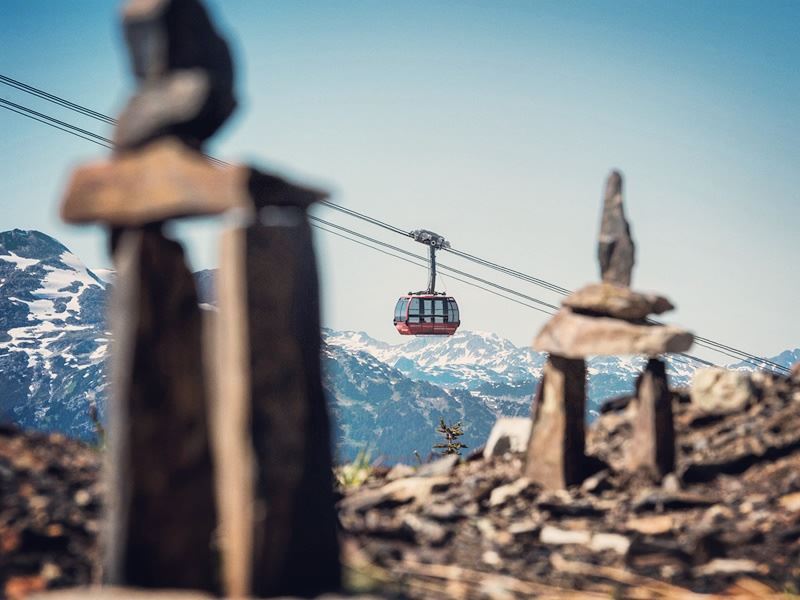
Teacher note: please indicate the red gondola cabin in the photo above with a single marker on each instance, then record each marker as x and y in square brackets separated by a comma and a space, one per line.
[426, 314]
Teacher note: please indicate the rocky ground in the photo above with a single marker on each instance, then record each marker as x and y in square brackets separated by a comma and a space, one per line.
[728, 522]
[49, 510]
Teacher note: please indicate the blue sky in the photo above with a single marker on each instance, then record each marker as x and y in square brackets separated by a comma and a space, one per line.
[493, 123]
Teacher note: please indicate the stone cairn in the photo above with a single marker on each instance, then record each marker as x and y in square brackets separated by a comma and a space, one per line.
[606, 318]
[220, 468]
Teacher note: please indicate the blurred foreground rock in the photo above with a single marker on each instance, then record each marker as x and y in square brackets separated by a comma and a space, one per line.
[49, 512]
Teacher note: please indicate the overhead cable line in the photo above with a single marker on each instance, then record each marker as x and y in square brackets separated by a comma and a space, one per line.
[422, 263]
[57, 100]
[442, 266]
[58, 124]
[107, 143]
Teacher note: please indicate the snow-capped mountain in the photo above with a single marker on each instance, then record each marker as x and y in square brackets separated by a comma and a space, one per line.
[52, 335]
[388, 397]
[496, 371]
[376, 406]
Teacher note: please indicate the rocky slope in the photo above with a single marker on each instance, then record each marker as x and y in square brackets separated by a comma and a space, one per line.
[727, 522]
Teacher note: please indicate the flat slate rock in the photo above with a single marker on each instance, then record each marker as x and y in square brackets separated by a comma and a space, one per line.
[168, 180]
[612, 300]
[164, 180]
[573, 335]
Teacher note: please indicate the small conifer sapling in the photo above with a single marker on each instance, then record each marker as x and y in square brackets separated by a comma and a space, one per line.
[451, 433]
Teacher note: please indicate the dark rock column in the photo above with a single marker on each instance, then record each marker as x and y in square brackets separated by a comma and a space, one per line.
[162, 510]
[653, 444]
[615, 247]
[556, 450]
[296, 549]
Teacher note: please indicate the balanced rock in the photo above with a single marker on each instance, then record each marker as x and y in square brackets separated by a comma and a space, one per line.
[721, 391]
[611, 300]
[615, 247]
[653, 449]
[556, 456]
[573, 335]
[184, 69]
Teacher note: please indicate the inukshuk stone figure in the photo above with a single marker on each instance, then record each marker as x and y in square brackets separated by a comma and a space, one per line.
[605, 318]
[273, 480]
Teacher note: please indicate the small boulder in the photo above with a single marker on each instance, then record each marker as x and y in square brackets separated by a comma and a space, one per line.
[503, 493]
[729, 566]
[509, 434]
[410, 490]
[558, 537]
[439, 468]
[721, 391]
[651, 525]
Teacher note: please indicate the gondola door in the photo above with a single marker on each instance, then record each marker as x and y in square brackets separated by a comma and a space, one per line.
[439, 312]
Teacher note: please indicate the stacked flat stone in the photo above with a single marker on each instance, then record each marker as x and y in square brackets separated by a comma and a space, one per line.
[606, 318]
[249, 373]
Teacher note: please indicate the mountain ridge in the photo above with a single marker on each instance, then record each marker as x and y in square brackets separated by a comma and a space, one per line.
[389, 397]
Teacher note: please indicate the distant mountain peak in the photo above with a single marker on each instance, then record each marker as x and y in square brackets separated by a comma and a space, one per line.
[30, 244]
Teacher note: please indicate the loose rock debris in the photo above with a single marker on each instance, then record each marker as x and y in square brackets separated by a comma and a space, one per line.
[727, 523]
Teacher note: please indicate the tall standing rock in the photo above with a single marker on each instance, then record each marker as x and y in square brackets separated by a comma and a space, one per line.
[296, 551]
[162, 511]
[615, 247]
[283, 524]
[556, 450]
[653, 445]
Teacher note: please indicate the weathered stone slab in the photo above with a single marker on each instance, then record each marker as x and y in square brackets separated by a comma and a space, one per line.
[721, 391]
[295, 545]
[556, 451]
[162, 514]
[652, 449]
[615, 247]
[409, 490]
[608, 299]
[270, 190]
[165, 180]
[231, 409]
[168, 180]
[185, 74]
[578, 336]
